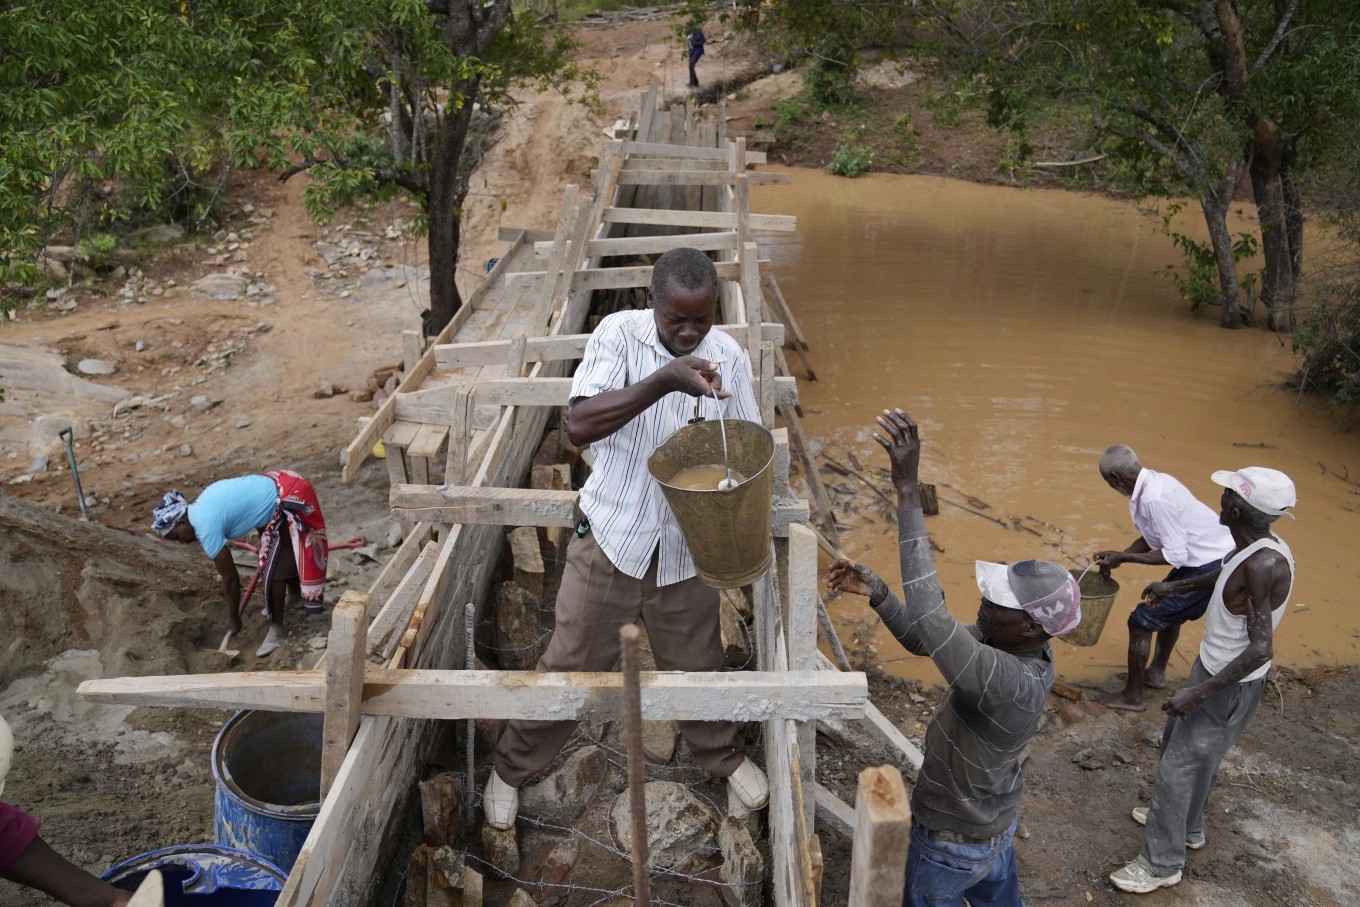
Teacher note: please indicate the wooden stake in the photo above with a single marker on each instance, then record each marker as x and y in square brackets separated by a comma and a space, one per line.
[460, 435]
[345, 660]
[878, 863]
[637, 766]
[411, 348]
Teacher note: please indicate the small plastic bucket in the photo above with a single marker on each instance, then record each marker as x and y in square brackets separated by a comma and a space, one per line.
[1097, 597]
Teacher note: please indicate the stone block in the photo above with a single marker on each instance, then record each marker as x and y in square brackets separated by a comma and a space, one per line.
[441, 806]
[658, 741]
[518, 630]
[564, 794]
[525, 559]
[743, 868]
[681, 828]
[501, 849]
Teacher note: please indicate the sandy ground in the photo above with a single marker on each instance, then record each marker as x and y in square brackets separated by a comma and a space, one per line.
[328, 306]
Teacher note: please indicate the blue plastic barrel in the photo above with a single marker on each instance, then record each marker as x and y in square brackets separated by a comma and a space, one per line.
[267, 767]
[204, 875]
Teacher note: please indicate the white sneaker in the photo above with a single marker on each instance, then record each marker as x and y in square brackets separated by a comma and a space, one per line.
[501, 802]
[1194, 840]
[750, 785]
[1138, 879]
[272, 639]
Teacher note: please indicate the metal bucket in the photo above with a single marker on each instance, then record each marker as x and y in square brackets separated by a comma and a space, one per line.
[1097, 597]
[267, 767]
[728, 532]
[204, 875]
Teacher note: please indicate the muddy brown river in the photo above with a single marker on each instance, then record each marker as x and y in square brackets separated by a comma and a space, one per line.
[1027, 330]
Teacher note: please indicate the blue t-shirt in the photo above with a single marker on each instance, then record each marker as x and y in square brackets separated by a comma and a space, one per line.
[230, 509]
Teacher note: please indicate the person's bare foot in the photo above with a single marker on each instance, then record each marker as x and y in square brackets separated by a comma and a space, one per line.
[1122, 700]
[1155, 680]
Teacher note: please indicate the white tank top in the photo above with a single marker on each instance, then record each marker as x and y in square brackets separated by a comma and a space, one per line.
[1225, 633]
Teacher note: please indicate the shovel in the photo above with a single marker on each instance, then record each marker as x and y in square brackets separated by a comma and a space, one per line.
[69, 437]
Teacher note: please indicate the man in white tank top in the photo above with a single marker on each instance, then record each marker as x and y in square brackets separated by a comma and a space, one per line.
[1211, 711]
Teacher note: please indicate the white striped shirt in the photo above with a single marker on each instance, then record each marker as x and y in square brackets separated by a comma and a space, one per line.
[627, 511]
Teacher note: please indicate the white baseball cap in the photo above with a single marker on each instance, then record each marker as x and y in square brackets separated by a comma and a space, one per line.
[1043, 589]
[1268, 490]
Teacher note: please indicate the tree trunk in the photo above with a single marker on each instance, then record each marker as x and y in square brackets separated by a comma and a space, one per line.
[445, 211]
[1215, 207]
[1279, 286]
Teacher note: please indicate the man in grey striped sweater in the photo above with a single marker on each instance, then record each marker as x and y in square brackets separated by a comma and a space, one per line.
[999, 672]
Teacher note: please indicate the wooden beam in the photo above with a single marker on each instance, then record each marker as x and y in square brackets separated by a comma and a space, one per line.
[698, 178]
[800, 622]
[674, 165]
[589, 279]
[388, 626]
[878, 862]
[555, 348]
[687, 152]
[397, 565]
[707, 220]
[345, 661]
[834, 813]
[649, 245]
[435, 405]
[461, 415]
[479, 505]
[459, 695]
[510, 234]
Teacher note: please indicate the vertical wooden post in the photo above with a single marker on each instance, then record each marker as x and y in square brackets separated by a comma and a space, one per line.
[751, 299]
[878, 863]
[344, 682]
[411, 347]
[800, 621]
[460, 434]
[637, 766]
[764, 361]
[519, 347]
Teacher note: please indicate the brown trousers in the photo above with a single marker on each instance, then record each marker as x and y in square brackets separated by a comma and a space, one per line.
[594, 601]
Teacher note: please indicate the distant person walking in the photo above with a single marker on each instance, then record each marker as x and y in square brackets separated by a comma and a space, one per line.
[1175, 529]
[1207, 716]
[283, 506]
[696, 50]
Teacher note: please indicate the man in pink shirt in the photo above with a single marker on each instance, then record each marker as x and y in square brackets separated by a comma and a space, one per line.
[1177, 530]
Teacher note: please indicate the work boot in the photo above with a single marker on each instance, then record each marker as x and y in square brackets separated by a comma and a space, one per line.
[1138, 878]
[1193, 839]
[748, 782]
[272, 639]
[500, 802]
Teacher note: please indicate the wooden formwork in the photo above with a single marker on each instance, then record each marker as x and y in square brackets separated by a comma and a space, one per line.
[481, 396]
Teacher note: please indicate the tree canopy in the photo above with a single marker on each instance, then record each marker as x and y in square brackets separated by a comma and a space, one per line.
[136, 104]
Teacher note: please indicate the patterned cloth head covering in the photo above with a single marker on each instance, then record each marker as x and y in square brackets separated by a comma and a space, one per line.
[172, 509]
[1044, 589]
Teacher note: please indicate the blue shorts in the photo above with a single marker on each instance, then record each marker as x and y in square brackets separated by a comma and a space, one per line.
[1175, 609]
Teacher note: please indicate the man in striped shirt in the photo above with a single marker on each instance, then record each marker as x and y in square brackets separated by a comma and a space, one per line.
[999, 673]
[642, 376]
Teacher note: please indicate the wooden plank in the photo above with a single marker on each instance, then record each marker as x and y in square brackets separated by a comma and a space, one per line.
[344, 689]
[558, 280]
[353, 456]
[470, 504]
[459, 695]
[687, 152]
[666, 178]
[768, 386]
[800, 620]
[400, 434]
[878, 862]
[590, 279]
[751, 299]
[392, 572]
[510, 234]
[462, 412]
[650, 245]
[519, 346]
[674, 165]
[411, 348]
[428, 441]
[833, 812]
[555, 348]
[784, 312]
[557, 261]
[391, 621]
[708, 220]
